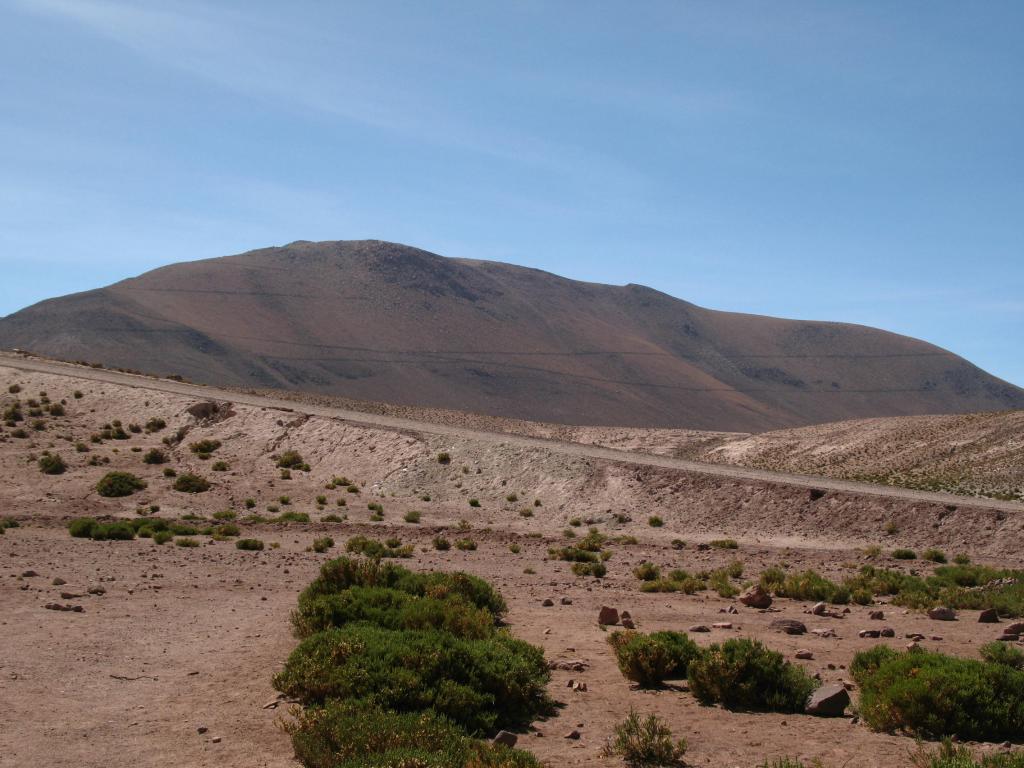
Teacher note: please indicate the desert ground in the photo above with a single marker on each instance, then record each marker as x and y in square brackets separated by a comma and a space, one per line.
[171, 656]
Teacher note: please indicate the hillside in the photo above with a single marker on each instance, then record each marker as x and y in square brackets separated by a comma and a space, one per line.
[385, 322]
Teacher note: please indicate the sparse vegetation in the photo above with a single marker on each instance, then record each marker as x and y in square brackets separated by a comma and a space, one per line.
[652, 659]
[117, 484]
[51, 464]
[249, 545]
[742, 674]
[154, 456]
[292, 460]
[187, 482]
[645, 743]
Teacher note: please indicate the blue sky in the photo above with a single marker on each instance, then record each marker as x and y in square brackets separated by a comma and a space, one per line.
[858, 161]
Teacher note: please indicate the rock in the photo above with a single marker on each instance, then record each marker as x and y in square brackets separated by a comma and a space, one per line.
[877, 615]
[70, 595]
[915, 636]
[826, 632]
[913, 645]
[625, 615]
[828, 701]
[29, 574]
[571, 665]
[789, 626]
[869, 633]
[820, 609]
[699, 628]
[58, 582]
[803, 653]
[97, 590]
[887, 632]
[579, 686]
[573, 734]
[547, 602]
[988, 616]
[628, 623]
[607, 616]
[566, 601]
[1017, 628]
[1006, 637]
[505, 738]
[731, 609]
[755, 597]
[202, 729]
[942, 614]
[722, 625]
[216, 739]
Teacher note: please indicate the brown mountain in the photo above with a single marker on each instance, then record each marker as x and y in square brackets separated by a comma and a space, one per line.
[380, 321]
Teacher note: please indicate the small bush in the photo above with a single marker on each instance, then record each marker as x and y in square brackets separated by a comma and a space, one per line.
[904, 554]
[117, 484]
[81, 528]
[647, 572]
[444, 458]
[292, 517]
[1002, 653]
[950, 755]
[322, 544]
[292, 460]
[934, 555]
[154, 456]
[186, 482]
[645, 742]
[186, 542]
[51, 464]
[249, 545]
[226, 514]
[597, 570]
[742, 674]
[412, 516]
[162, 537]
[474, 502]
[227, 529]
[466, 545]
[204, 448]
[441, 544]
[655, 521]
[652, 659]
[170, 472]
[220, 466]
[155, 424]
[361, 545]
[724, 544]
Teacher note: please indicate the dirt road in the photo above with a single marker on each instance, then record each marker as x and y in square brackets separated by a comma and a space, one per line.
[25, 363]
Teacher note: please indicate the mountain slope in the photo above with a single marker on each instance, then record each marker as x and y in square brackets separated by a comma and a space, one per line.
[380, 321]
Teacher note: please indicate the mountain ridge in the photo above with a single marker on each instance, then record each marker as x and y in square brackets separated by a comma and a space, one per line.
[382, 321]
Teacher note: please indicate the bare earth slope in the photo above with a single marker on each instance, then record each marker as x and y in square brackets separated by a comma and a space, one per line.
[171, 656]
[380, 321]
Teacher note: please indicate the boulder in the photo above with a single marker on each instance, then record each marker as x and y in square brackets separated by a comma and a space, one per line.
[755, 597]
[942, 614]
[699, 628]
[607, 616]
[820, 609]
[789, 626]
[988, 616]
[1017, 628]
[505, 738]
[828, 701]
[877, 615]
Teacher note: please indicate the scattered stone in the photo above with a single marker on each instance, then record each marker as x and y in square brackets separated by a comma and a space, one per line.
[988, 616]
[805, 654]
[877, 615]
[548, 602]
[216, 739]
[59, 607]
[571, 665]
[505, 738]
[564, 601]
[573, 734]
[29, 574]
[915, 636]
[913, 645]
[628, 623]
[70, 595]
[1006, 637]
[826, 632]
[1017, 628]
[820, 609]
[607, 616]
[579, 686]
[887, 632]
[202, 729]
[722, 625]
[869, 633]
[699, 628]
[97, 590]
[755, 597]
[789, 626]
[829, 700]
[942, 614]
[58, 582]
[936, 637]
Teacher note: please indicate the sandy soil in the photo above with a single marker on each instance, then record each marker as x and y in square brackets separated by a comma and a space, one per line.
[184, 639]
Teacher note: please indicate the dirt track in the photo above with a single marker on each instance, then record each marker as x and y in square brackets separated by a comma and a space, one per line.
[571, 449]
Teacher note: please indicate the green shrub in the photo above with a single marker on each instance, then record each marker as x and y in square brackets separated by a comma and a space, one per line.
[904, 554]
[474, 502]
[933, 695]
[154, 456]
[249, 545]
[361, 545]
[652, 659]
[480, 684]
[466, 545]
[51, 464]
[117, 484]
[392, 609]
[186, 482]
[204, 447]
[647, 572]
[742, 674]
[226, 514]
[292, 460]
[81, 528]
[220, 466]
[357, 735]
[322, 544]
[646, 742]
[444, 458]
[1002, 653]
[597, 570]
[724, 544]
[155, 424]
[186, 542]
[162, 537]
[934, 555]
[412, 516]
[292, 517]
[227, 529]
[655, 521]
[441, 544]
[950, 755]
[811, 586]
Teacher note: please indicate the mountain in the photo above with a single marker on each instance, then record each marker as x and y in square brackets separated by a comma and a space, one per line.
[380, 321]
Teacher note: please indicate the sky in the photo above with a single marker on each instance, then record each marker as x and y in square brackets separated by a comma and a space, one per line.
[859, 161]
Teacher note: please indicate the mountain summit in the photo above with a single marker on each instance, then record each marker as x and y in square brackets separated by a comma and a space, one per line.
[380, 321]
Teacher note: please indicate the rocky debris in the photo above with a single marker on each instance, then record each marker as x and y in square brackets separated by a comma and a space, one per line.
[829, 700]
[825, 632]
[1008, 637]
[942, 614]
[913, 645]
[699, 628]
[722, 625]
[608, 616]
[202, 729]
[59, 607]
[877, 615]
[71, 595]
[915, 636]
[627, 620]
[755, 597]
[570, 665]
[789, 626]
[887, 632]
[209, 412]
[566, 601]
[573, 734]
[58, 581]
[815, 493]
[869, 633]
[1017, 628]
[29, 574]
[805, 654]
[505, 738]
[579, 686]
[97, 590]
[820, 609]
[547, 602]
[988, 616]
